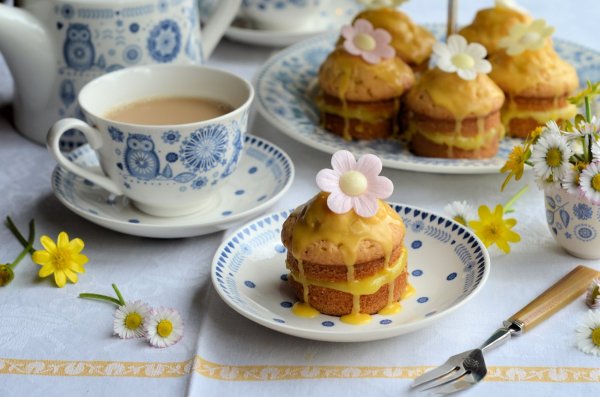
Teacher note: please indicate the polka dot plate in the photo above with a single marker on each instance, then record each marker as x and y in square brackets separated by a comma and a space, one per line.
[264, 174]
[448, 265]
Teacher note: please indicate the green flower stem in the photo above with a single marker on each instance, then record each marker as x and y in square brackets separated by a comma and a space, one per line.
[20, 257]
[99, 297]
[511, 202]
[121, 300]
[588, 110]
[15, 231]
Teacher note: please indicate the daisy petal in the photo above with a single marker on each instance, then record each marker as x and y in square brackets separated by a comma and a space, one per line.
[365, 205]
[339, 203]
[369, 165]
[371, 57]
[381, 187]
[328, 180]
[467, 74]
[343, 161]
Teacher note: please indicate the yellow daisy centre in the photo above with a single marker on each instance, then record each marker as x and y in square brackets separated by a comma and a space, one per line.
[133, 321]
[353, 183]
[596, 336]
[596, 182]
[164, 328]
[529, 38]
[554, 157]
[61, 259]
[463, 61]
[460, 219]
[493, 231]
[364, 42]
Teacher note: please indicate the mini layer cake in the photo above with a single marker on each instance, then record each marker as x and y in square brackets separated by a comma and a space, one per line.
[450, 116]
[536, 81]
[361, 84]
[344, 260]
[412, 42]
[492, 24]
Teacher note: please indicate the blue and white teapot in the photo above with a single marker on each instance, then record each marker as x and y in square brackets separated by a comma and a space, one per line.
[54, 47]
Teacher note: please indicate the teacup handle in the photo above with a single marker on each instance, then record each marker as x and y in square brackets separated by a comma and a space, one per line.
[95, 141]
[217, 24]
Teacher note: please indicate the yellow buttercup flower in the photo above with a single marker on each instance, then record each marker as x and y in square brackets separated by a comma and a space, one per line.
[63, 258]
[592, 90]
[492, 228]
[515, 164]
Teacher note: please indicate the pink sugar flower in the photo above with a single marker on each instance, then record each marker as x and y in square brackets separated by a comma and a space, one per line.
[371, 44]
[354, 184]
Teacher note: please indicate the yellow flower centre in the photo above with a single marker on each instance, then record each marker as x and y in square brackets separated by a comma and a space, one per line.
[353, 183]
[62, 259]
[554, 157]
[596, 336]
[164, 328]
[460, 219]
[463, 61]
[493, 231]
[529, 38]
[365, 42]
[596, 182]
[133, 321]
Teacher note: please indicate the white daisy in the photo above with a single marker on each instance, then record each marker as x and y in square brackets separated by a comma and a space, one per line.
[592, 128]
[588, 334]
[129, 320]
[550, 156]
[459, 211]
[523, 37]
[596, 150]
[592, 298]
[589, 181]
[164, 327]
[552, 128]
[547, 183]
[462, 58]
[570, 182]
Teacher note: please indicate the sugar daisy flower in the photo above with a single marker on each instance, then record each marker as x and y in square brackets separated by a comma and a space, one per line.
[164, 327]
[381, 3]
[462, 58]
[509, 4]
[589, 182]
[63, 258]
[354, 184]
[588, 334]
[523, 37]
[129, 320]
[592, 297]
[550, 156]
[372, 45]
[460, 211]
[492, 228]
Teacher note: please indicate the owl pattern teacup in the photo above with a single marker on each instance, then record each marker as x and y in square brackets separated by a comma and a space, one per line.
[280, 14]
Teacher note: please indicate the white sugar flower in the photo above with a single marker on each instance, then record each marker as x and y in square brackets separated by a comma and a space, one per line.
[509, 4]
[460, 211]
[523, 37]
[588, 334]
[592, 297]
[589, 181]
[129, 320]
[462, 58]
[164, 327]
[570, 182]
[381, 3]
[550, 157]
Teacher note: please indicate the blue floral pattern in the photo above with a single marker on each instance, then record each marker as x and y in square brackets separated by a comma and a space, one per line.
[200, 183]
[164, 41]
[171, 137]
[205, 148]
[582, 211]
[116, 134]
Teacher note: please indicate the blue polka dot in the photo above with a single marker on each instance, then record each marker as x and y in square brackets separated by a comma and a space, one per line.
[417, 272]
[133, 221]
[134, 28]
[261, 198]
[327, 324]
[286, 304]
[423, 299]
[225, 213]
[280, 248]
[252, 170]
[278, 320]
[249, 284]
[172, 157]
[284, 277]
[416, 244]
[239, 192]
[451, 276]
[385, 322]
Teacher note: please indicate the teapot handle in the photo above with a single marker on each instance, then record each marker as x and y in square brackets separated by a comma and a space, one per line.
[217, 24]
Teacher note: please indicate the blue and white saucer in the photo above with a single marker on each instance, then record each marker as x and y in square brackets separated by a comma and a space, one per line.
[448, 265]
[264, 174]
[286, 87]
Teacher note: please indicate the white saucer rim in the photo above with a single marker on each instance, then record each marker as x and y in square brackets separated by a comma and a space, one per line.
[189, 226]
[358, 336]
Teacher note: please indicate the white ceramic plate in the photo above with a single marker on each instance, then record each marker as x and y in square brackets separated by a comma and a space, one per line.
[286, 84]
[334, 14]
[448, 265]
[264, 174]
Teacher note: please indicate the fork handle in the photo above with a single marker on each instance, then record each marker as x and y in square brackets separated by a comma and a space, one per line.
[554, 298]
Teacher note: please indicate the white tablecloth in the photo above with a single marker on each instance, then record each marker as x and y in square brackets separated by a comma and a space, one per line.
[54, 344]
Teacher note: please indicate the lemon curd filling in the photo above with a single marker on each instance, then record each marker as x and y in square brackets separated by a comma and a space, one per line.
[511, 111]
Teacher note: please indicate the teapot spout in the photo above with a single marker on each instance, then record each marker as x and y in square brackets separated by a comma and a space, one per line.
[29, 53]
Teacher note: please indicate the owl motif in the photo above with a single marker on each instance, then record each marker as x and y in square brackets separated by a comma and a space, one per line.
[140, 158]
[78, 49]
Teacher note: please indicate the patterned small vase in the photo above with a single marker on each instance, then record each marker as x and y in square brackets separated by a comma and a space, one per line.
[574, 223]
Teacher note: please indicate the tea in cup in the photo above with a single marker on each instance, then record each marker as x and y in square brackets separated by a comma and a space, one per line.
[165, 135]
[280, 14]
